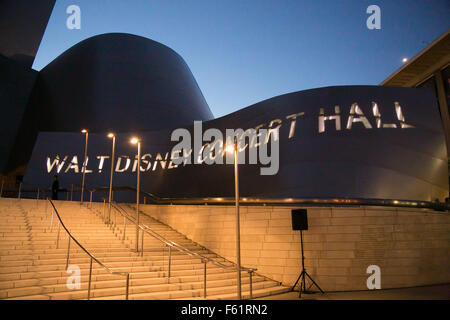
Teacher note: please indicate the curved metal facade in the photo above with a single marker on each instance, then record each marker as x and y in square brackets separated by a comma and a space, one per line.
[113, 81]
[373, 161]
[120, 82]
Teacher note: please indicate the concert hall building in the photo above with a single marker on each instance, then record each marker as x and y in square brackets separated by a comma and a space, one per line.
[369, 163]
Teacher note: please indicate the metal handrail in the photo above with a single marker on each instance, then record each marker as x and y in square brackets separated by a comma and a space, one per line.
[255, 201]
[178, 246]
[171, 244]
[60, 223]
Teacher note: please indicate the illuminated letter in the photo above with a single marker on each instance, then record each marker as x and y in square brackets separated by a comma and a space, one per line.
[160, 160]
[377, 115]
[293, 121]
[85, 166]
[101, 162]
[187, 157]
[127, 165]
[74, 20]
[373, 21]
[255, 142]
[374, 281]
[400, 117]
[274, 130]
[361, 118]
[252, 150]
[171, 165]
[211, 148]
[56, 162]
[199, 159]
[336, 118]
[183, 147]
[73, 165]
[145, 161]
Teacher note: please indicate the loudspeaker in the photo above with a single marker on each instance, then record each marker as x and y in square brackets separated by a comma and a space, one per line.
[299, 219]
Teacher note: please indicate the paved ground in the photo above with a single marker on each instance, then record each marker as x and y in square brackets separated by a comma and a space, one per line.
[437, 292]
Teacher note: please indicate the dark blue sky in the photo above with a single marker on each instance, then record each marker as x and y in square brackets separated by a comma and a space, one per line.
[242, 52]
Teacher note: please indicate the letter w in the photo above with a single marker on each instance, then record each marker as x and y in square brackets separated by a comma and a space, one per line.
[56, 162]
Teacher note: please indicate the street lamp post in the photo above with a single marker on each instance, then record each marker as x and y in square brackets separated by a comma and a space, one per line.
[111, 135]
[84, 163]
[138, 142]
[234, 149]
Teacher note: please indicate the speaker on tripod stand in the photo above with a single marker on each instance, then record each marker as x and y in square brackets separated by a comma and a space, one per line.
[300, 222]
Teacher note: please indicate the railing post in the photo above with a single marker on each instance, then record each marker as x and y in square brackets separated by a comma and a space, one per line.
[68, 249]
[124, 227]
[89, 283]
[170, 262]
[128, 284]
[37, 197]
[1, 190]
[104, 204]
[51, 222]
[142, 244]
[71, 192]
[251, 284]
[20, 190]
[204, 278]
[57, 236]
[90, 200]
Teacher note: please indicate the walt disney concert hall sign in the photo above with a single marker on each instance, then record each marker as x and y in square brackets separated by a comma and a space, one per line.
[349, 141]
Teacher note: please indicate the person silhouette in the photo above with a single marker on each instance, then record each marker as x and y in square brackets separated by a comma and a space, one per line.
[55, 188]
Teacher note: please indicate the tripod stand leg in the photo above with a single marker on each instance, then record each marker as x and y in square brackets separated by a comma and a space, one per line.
[302, 287]
[302, 284]
[314, 283]
[293, 287]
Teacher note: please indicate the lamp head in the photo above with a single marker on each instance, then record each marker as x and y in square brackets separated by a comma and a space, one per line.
[135, 140]
[111, 135]
[84, 131]
[229, 148]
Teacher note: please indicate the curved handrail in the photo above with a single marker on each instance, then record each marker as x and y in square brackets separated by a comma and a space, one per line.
[244, 201]
[126, 274]
[179, 247]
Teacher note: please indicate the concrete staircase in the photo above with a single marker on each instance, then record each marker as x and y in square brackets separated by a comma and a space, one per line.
[33, 267]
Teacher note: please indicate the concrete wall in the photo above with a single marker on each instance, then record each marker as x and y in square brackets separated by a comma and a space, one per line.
[411, 246]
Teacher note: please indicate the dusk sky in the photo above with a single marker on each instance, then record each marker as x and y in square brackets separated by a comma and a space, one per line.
[243, 52]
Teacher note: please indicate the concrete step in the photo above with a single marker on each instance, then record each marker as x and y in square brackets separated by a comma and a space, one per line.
[154, 284]
[31, 267]
[102, 274]
[257, 293]
[138, 290]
